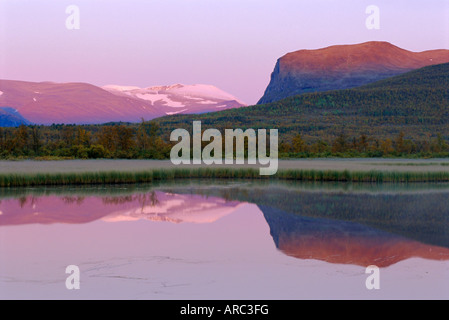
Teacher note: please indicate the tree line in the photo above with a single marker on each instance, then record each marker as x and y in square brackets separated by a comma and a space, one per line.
[147, 140]
[117, 140]
[366, 146]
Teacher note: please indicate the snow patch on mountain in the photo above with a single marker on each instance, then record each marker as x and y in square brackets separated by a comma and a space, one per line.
[120, 88]
[204, 91]
[175, 112]
[163, 98]
[197, 98]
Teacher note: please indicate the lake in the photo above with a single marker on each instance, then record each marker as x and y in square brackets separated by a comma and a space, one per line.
[226, 240]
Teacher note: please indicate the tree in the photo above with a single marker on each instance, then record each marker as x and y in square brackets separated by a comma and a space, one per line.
[82, 137]
[2, 139]
[107, 137]
[363, 144]
[67, 135]
[320, 147]
[340, 144]
[143, 136]
[21, 140]
[35, 139]
[386, 146]
[439, 145]
[125, 140]
[299, 145]
[400, 144]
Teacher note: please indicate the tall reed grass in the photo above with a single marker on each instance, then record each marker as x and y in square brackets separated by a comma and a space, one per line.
[118, 177]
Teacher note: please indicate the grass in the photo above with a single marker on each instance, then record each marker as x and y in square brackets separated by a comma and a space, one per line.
[409, 164]
[117, 177]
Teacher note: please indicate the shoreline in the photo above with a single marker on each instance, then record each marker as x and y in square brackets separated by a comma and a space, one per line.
[170, 174]
[322, 164]
[28, 173]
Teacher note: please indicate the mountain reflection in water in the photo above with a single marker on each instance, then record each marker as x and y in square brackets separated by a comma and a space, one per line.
[343, 242]
[154, 206]
[296, 235]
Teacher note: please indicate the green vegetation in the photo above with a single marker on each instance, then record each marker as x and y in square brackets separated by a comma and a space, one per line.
[115, 177]
[400, 116]
[58, 141]
[409, 164]
[403, 116]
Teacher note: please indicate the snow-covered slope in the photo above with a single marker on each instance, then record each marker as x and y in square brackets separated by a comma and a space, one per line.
[179, 98]
[83, 103]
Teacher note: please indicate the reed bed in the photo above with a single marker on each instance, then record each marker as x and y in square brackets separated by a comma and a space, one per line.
[161, 174]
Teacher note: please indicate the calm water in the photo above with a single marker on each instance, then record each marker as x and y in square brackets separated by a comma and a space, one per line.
[235, 240]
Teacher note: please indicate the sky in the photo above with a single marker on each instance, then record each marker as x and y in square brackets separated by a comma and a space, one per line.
[232, 44]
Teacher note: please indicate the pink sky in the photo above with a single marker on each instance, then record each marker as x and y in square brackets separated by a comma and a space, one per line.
[232, 44]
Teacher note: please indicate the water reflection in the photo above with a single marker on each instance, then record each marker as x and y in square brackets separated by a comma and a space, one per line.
[343, 242]
[340, 227]
[153, 206]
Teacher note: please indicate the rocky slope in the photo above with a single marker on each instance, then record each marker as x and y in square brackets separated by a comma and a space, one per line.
[342, 67]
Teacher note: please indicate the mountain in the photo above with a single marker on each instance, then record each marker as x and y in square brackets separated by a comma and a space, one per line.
[342, 67]
[80, 103]
[10, 117]
[293, 209]
[179, 98]
[416, 103]
[154, 206]
[343, 242]
[83, 103]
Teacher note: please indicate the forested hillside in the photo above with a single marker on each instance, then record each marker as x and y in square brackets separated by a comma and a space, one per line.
[401, 116]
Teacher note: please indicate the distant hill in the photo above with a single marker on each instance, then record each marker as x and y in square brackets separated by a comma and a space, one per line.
[83, 103]
[10, 117]
[416, 103]
[343, 67]
[180, 98]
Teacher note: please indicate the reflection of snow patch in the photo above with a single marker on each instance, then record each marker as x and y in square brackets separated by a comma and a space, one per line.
[178, 208]
[34, 99]
[1, 92]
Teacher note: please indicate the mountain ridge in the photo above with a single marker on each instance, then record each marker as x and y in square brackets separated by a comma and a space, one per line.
[415, 103]
[10, 117]
[180, 98]
[83, 103]
[343, 67]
